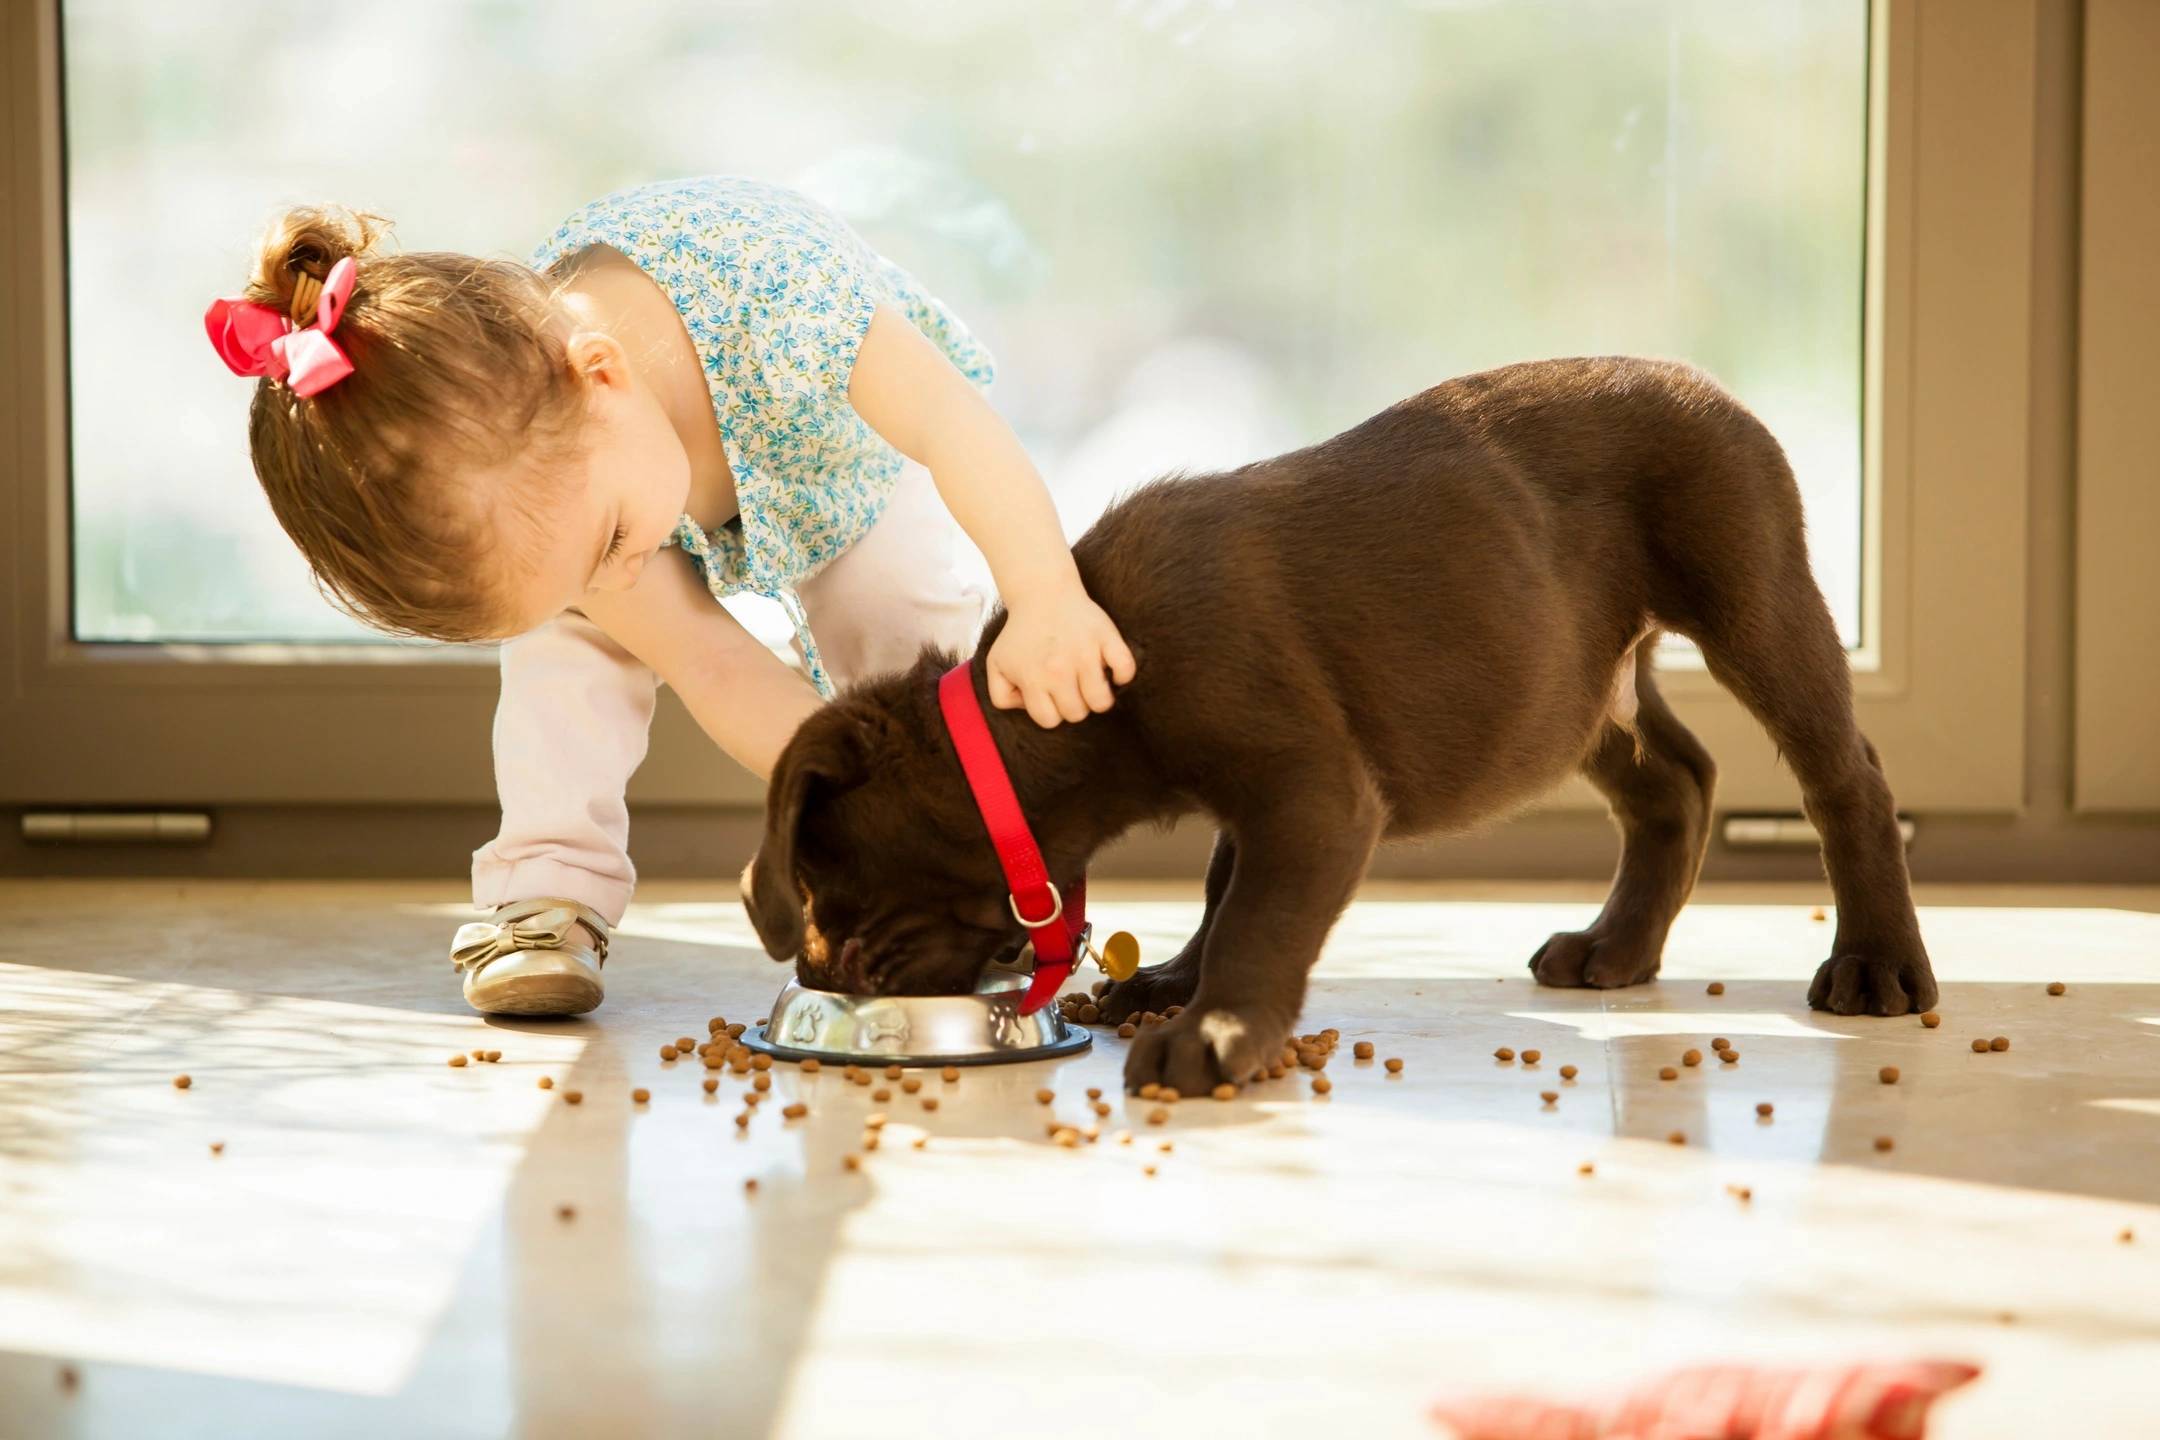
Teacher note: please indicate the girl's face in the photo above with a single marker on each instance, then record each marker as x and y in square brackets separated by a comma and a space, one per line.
[616, 499]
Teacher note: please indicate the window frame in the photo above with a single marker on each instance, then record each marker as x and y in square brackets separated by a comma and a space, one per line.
[1939, 678]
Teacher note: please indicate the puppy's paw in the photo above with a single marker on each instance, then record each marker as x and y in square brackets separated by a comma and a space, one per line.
[1156, 988]
[1577, 958]
[1875, 980]
[1203, 1047]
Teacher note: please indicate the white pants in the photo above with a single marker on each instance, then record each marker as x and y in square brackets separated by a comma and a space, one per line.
[576, 707]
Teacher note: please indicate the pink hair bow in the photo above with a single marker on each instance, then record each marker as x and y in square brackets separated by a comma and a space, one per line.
[254, 339]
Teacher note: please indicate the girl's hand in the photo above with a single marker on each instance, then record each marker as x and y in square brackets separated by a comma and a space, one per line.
[1051, 656]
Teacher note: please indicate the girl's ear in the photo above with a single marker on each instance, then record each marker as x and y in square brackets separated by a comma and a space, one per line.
[598, 360]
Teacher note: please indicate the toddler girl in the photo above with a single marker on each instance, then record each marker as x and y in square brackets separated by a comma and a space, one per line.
[471, 449]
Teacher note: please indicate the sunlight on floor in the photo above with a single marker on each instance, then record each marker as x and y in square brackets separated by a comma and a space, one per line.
[319, 1248]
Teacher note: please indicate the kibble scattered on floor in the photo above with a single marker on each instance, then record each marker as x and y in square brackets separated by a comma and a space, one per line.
[1394, 1067]
[1667, 1072]
[1715, 987]
[1888, 1074]
[2000, 1042]
[1567, 1072]
[1884, 1142]
[1930, 1019]
[1764, 1109]
[1503, 1054]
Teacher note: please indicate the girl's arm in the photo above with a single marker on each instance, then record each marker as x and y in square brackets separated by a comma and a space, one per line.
[742, 695]
[1057, 642]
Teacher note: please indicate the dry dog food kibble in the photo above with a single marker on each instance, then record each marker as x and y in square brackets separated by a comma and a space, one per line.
[668, 1052]
[1044, 1097]
[795, 1111]
[479, 1054]
[875, 1120]
[1888, 1074]
[1503, 1054]
[921, 1140]
[456, 1060]
[1066, 1135]
[1168, 1095]
[711, 1084]
[217, 1147]
[1720, 1043]
[1666, 1072]
[1094, 1092]
[1586, 1168]
[1531, 1057]
[761, 1082]
[715, 1025]
[751, 1098]
[929, 1102]
[810, 1066]
[493, 1056]
[750, 1186]
[1691, 1057]
[1715, 987]
[851, 1162]
[1729, 1056]
[1568, 1072]
[2000, 1042]
[1101, 1108]
[1817, 915]
[1394, 1067]
[1549, 1096]
[949, 1074]
[893, 1072]
[880, 1095]
[1150, 1090]
[1126, 1031]
[1362, 1050]
[1158, 1116]
[1883, 1142]
[714, 1059]
[1226, 1091]
[735, 1031]
[1931, 1019]
[910, 1085]
[1321, 1085]
[1678, 1137]
[742, 1121]
[547, 1082]
[573, 1097]
[640, 1096]
[1764, 1108]
[1980, 1047]
[2056, 987]
[764, 1062]
[566, 1212]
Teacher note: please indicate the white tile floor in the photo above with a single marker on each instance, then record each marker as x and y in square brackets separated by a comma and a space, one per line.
[377, 1251]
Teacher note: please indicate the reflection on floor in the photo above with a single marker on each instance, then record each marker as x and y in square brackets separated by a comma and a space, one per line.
[379, 1249]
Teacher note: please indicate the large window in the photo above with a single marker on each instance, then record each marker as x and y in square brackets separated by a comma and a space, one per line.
[1195, 232]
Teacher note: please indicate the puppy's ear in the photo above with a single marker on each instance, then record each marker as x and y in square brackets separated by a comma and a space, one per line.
[826, 754]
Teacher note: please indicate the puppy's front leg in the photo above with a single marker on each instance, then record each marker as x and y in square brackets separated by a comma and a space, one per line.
[1158, 987]
[1292, 874]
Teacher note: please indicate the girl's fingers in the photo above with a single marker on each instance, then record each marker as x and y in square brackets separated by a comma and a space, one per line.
[1094, 687]
[1122, 665]
[1065, 693]
[1042, 709]
[1003, 693]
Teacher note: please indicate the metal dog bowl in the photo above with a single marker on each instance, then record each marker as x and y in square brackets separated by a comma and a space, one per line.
[985, 1028]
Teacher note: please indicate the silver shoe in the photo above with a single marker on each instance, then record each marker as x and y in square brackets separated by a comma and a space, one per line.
[531, 959]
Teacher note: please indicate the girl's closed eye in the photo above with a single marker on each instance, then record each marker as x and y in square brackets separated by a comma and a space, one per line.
[614, 544]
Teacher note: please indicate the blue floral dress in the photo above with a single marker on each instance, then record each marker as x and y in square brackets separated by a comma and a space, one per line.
[777, 293]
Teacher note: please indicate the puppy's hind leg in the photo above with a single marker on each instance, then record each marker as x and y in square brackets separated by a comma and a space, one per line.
[1158, 987]
[1658, 780]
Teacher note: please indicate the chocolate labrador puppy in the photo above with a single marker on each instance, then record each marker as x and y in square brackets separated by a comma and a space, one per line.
[1419, 625]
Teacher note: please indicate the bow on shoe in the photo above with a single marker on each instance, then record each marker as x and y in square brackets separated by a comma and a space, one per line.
[254, 339]
[480, 941]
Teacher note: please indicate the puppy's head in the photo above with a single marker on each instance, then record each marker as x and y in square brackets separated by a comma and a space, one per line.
[875, 875]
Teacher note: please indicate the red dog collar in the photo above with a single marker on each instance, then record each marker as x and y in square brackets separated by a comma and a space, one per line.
[1036, 903]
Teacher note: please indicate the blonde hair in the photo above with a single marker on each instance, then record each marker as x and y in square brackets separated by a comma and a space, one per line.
[455, 365]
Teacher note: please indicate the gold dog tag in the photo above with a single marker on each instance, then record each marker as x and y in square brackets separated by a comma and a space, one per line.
[1120, 956]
